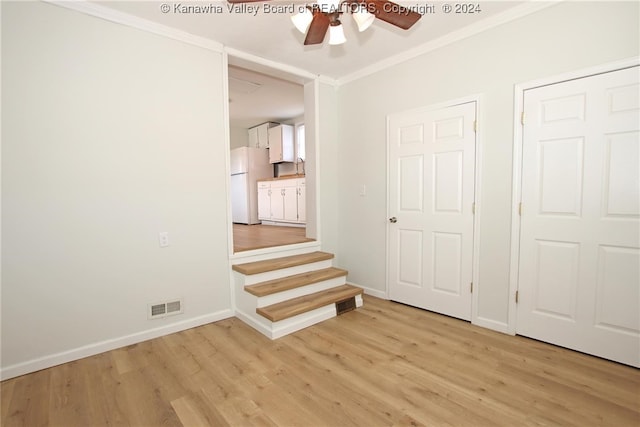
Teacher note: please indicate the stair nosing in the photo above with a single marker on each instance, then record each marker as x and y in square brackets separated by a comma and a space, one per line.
[292, 282]
[350, 290]
[257, 267]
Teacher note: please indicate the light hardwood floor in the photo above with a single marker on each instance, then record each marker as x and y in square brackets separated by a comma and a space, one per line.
[258, 236]
[384, 364]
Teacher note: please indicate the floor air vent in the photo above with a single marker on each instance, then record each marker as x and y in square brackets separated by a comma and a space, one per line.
[165, 309]
[345, 306]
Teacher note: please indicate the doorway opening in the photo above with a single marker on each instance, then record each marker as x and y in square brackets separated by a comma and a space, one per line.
[267, 135]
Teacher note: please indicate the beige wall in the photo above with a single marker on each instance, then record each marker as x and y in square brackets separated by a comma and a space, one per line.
[239, 137]
[558, 39]
[329, 185]
[109, 136]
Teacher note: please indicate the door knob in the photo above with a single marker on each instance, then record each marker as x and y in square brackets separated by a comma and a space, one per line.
[393, 220]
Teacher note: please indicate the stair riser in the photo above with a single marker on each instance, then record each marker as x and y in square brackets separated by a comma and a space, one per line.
[301, 321]
[271, 253]
[297, 292]
[287, 326]
[278, 274]
[274, 330]
[310, 318]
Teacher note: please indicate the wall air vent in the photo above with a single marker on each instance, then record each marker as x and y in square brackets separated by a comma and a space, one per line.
[164, 309]
[174, 306]
[345, 306]
[158, 310]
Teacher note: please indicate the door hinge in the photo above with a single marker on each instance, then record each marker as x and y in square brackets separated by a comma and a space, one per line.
[471, 287]
[522, 118]
[473, 208]
[475, 126]
[520, 209]
[517, 296]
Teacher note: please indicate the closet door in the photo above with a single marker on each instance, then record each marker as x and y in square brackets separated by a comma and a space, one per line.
[431, 197]
[579, 272]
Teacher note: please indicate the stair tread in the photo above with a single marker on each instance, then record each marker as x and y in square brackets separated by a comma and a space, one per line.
[284, 310]
[256, 267]
[295, 281]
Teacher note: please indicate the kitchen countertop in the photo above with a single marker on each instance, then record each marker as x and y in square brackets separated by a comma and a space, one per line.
[292, 176]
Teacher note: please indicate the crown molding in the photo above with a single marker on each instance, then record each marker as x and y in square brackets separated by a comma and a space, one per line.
[238, 57]
[285, 71]
[468, 31]
[327, 80]
[118, 17]
[291, 72]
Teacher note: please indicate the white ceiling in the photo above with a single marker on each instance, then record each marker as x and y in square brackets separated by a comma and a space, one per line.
[256, 98]
[258, 29]
[273, 36]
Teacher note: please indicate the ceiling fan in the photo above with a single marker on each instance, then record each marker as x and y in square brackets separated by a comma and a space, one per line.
[317, 18]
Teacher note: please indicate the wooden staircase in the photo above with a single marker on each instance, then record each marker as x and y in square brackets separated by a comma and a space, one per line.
[278, 296]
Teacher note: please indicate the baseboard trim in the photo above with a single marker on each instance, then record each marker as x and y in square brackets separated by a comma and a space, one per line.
[288, 326]
[264, 330]
[492, 324]
[49, 361]
[370, 291]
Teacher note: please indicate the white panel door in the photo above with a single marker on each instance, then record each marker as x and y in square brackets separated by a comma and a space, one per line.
[431, 195]
[579, 273]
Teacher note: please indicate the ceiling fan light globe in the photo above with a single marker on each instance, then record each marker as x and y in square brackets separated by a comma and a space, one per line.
[302, 20]
[336, 35]
[363, 18]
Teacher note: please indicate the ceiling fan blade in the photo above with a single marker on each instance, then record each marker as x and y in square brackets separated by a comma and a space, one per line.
[393, 13]
[317, 29]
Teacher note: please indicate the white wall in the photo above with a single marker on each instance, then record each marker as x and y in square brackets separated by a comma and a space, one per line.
[558, 39]
[239, 137]
[109, 136]
[312, 180]
[327, 174]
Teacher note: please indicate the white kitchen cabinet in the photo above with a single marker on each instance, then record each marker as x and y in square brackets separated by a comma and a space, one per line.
[281, 201]
[259, 135]
[281, 147]
[302, 200]
[264, 200]
[277, 205]
[290, 201]
[284, 200]
[253, 137]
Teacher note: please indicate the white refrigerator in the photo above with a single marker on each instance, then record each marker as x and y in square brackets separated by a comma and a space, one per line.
[248, 165]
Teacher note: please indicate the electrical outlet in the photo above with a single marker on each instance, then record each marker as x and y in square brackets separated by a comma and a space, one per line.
[363, 190]
[163, 238]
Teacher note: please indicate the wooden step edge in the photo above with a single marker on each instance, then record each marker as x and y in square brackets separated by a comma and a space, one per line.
[256, 267]
[295, 306]
[295, 281]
